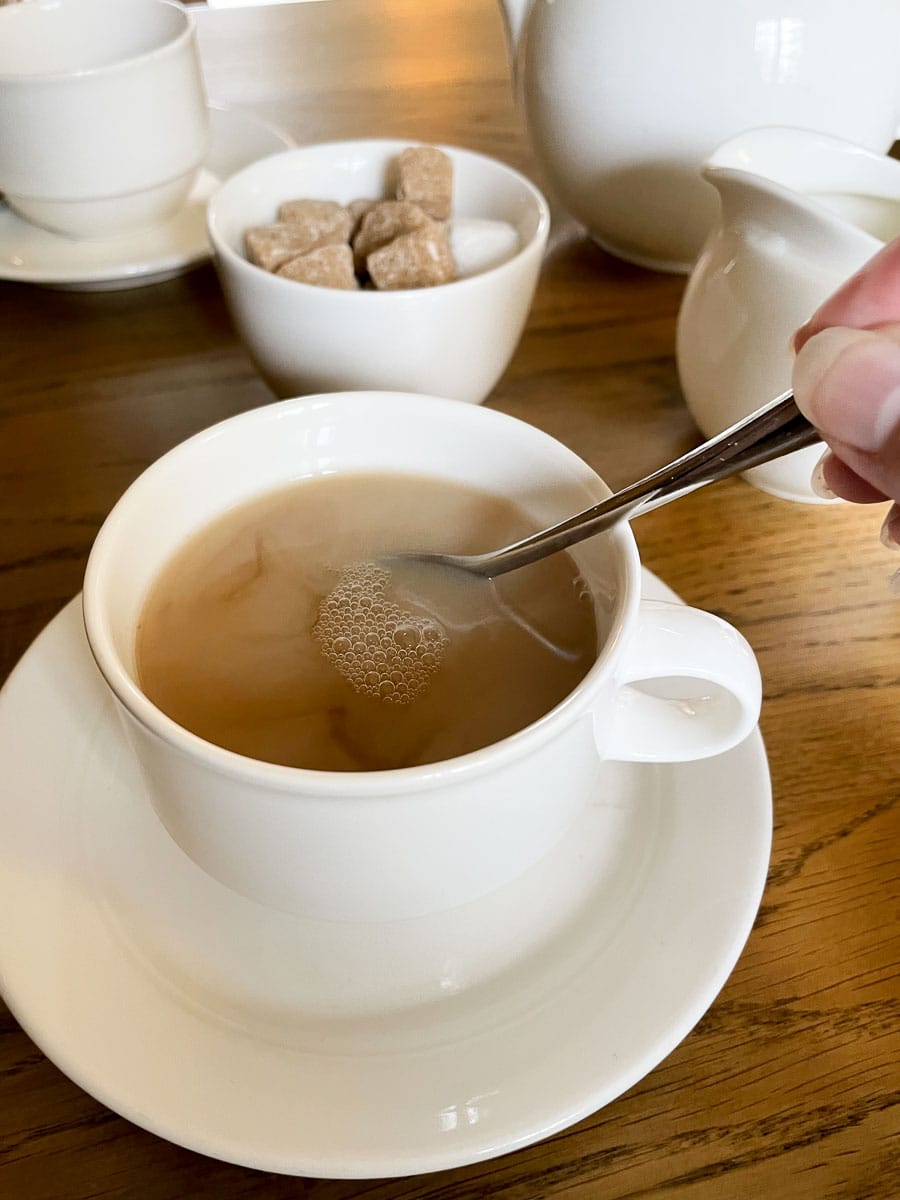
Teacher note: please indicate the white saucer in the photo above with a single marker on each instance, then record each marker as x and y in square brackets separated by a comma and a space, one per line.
[29, 254]
[344, 1050]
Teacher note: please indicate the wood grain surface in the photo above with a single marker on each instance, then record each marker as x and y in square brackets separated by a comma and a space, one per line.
[789, 1087]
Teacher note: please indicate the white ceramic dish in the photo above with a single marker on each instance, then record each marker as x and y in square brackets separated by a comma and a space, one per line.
[454, 340]
[227, 1028]
[29, 254]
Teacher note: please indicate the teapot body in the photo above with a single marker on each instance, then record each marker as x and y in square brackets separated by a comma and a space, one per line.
[625, 99]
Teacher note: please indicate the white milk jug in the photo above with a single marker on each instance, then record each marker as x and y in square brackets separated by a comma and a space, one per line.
[799, 213]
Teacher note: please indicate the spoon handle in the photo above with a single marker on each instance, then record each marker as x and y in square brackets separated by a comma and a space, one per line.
[767, 434]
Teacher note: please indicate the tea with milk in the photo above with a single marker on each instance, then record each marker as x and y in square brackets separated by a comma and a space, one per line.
[281, 631]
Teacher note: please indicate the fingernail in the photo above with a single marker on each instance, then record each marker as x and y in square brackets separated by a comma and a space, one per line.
[890, 530]
[817, 480]
[894, 583]
[848, 383]
[798, 338]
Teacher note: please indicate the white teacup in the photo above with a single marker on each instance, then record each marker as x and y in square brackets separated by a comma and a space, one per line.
[379, 845]
[103, 117]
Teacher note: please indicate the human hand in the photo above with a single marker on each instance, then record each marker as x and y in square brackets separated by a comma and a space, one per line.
[847, 383]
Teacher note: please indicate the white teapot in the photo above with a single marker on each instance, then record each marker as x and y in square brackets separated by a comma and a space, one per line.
[798, 214]
[625, 99]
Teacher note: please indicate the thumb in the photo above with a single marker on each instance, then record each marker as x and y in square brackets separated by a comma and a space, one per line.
[847, 383]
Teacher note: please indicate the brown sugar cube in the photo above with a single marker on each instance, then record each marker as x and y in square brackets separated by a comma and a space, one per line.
[385, 221]
[326, 222]
[326, 266]
[269, 246]
[357, 210]
[425, 177]
[419, 259]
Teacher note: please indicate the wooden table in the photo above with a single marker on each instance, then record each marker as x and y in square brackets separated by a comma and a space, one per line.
[789, 1087]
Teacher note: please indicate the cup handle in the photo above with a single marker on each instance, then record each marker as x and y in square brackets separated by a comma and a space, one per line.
[679, 650]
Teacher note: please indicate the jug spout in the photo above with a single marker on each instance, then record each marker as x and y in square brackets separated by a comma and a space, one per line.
[811, 192]
[515, 13]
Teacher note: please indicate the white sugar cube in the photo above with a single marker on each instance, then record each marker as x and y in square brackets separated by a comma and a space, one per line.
[479, 244]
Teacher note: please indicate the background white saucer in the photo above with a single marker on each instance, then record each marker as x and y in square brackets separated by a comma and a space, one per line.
[343, 1050]
[29, 254]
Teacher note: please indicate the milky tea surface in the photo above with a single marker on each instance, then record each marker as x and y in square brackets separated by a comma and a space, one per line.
[279, 631]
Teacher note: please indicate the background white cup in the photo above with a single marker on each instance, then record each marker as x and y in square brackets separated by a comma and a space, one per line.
[392, 844]
[103, 117]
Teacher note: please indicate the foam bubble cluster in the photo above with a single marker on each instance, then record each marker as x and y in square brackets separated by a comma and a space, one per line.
[381, 650]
